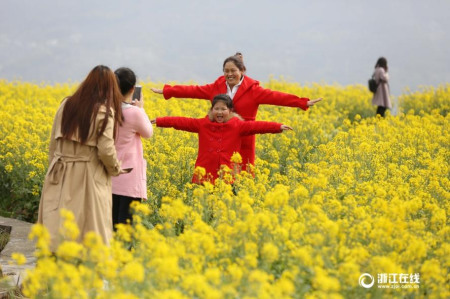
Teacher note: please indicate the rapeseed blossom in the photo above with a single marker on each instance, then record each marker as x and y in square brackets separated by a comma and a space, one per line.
[19, 258]
[345, 194]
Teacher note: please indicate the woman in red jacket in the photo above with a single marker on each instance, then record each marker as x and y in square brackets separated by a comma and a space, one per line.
[220, 134]
[245, 93]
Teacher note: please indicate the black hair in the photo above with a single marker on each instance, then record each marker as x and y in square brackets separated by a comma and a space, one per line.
[238, 60]
[126, 79]
[382, 62]
[223, 98]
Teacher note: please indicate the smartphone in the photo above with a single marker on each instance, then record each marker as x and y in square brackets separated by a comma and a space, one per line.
[137, 93]
[127, 170]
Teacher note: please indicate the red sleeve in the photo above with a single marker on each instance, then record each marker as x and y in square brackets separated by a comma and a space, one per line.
[204, 92]
[258, 127]
[179, 123]
[266, 96]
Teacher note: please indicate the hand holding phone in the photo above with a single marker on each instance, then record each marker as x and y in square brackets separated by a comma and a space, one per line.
[137, 93]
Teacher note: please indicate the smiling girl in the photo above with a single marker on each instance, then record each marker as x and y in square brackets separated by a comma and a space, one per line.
[219, 133]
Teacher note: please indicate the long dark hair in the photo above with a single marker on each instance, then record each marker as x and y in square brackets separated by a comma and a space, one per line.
[99, 88]
[238, 60]
[382, 62]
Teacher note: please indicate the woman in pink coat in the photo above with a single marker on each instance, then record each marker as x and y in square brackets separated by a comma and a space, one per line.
[381, 96]
[245, 93]
[220, 134]
[131, 186]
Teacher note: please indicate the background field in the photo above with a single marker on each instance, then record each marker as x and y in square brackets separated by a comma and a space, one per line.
[343, 194]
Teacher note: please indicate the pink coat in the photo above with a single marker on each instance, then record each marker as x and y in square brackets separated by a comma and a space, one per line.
[381, 96]
[131, 154]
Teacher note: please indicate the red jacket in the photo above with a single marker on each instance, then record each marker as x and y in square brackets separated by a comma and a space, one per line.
[217, 141]
[246, 101]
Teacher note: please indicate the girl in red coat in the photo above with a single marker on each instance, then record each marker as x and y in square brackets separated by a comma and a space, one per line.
[220, 134]
[245, 93]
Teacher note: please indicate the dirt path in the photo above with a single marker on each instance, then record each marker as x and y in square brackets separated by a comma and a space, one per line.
[18, 243]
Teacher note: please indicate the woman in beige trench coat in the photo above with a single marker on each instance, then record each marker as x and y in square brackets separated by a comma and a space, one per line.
[82, 158]
[381, 97]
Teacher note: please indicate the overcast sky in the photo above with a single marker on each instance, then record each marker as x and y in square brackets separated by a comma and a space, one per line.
[328, 41]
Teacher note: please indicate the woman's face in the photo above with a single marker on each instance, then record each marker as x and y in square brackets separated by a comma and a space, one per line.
[220, 112]
[232, 74]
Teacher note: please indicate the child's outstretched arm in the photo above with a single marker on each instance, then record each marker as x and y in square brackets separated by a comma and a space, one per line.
[261, 127]
[178, 123]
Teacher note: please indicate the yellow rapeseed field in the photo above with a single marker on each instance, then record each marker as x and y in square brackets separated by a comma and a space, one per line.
[347, 205]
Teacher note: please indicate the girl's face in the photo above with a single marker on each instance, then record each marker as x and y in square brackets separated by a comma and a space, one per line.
[220, 112]
[232, 74]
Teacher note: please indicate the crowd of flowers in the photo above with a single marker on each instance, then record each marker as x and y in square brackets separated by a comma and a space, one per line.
[344, 194]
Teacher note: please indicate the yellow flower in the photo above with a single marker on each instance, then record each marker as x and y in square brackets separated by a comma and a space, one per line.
[69, 228]
[126, 296]
[96, 249]
[236, 273]
[170, 294]
[141, 208]
[133, 271]
[124, 232]
[301, 192]
[70, 250]
[236, 158]
[9, 168]
[269, 252]
[277, 198]
[213, 275]
[323, 281]
[19, 258]
[199, 172]
[39, 232]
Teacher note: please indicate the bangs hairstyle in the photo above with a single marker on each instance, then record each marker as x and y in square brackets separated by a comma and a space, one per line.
[100, 88]
[228, 102]
[223, 98]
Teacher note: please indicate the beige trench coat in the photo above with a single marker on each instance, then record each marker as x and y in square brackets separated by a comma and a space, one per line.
[79, 179]
[381, 96]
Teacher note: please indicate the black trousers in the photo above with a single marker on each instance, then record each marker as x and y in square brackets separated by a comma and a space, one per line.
[121, 209]
[381, 110]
